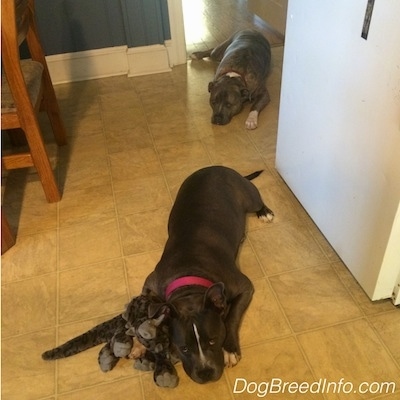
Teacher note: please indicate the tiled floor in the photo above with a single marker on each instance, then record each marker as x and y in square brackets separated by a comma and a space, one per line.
[131, 143]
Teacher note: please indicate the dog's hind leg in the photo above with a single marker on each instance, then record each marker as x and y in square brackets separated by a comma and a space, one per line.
[215, 54]
[265, 214]
[199, 55]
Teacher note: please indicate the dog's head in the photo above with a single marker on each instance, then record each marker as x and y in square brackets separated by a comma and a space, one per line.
[227, 96]
[198, 337]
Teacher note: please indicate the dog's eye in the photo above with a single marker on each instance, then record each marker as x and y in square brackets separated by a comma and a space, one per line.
[212, 342]
[184, 349]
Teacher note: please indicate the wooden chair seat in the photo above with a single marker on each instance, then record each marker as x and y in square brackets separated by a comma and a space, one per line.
[32, 72]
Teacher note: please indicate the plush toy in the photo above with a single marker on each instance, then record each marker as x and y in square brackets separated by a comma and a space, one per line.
[141, 333]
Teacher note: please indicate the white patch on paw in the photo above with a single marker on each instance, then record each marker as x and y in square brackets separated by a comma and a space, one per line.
[267, 218]
[231, 359]
[252, 119]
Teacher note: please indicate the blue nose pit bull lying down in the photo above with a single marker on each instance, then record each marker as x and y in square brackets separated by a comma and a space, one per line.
[241, 75]
[197, 274]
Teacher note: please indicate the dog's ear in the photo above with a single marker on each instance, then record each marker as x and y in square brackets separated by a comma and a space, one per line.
[157, 309]
[210, 86]
[215, 298]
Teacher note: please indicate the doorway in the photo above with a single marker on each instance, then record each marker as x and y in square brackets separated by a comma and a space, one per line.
[209, 22]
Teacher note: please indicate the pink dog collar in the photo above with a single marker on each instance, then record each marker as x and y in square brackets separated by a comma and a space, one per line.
[186, 281]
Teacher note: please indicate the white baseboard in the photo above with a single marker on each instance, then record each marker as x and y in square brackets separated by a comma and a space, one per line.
[112, 61]
[148, 60]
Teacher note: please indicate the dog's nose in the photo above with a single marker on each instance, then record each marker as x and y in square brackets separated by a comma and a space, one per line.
[218, 120]
[206, 375]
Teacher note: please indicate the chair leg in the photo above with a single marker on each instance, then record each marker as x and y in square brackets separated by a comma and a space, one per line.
[7, 236]
[53, 110]
[41, 161]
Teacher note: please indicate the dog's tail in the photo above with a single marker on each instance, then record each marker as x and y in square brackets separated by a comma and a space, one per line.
[253, 175]
[101, 333]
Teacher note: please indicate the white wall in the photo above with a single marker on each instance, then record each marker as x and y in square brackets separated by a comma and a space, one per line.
[339, 127]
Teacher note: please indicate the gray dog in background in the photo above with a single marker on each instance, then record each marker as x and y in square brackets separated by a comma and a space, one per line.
[245, 61]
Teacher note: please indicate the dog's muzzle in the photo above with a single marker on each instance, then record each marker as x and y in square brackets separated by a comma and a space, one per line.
[220, 119]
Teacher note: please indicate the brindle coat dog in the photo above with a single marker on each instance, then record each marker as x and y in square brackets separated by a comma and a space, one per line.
[241, 75]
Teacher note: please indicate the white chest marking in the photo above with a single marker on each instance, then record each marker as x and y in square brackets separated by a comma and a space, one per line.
[196, 333]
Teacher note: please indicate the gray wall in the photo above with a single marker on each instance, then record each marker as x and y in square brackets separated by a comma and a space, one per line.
[67, 26]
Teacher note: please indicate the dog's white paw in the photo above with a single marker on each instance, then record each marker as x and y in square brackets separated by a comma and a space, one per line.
[265, 214]
[252, 120]
[267, 218]
[231, 359]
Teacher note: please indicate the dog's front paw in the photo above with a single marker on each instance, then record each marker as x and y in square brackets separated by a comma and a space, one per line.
[142, 364]
[167, 380]
[252, 120]
[231, 359]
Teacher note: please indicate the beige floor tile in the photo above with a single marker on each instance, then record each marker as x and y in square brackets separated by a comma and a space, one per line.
[25, 205]
[138, 267]
[272, 362]
[121, 389]
[163, 111]
[28, 305]
[223, 150]
[81, 205]
[144, 231]
[83, 162]
[178, 130]
[184, 157]
[82, 123]
[321, 240]
[39, 257]
[116, 84]
[123, 118]
[24, 375]
[387, 326]
[286, 246]
[393, 396]
[89, 242]
[131, 165]
[369, 307]
[94, 290]
[82, 146]
[264, 319]
[124, 98]
[85, 173]
[314, 297]
[145, 193]
[132, 138]
[352, 352]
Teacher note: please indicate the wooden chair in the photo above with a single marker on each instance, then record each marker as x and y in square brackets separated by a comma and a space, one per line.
[7, 235]
[26, 89]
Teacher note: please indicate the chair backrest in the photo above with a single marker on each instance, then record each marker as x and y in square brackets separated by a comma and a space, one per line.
[18, 24]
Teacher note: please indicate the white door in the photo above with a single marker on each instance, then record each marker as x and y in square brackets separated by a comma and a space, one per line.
[339, 131]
